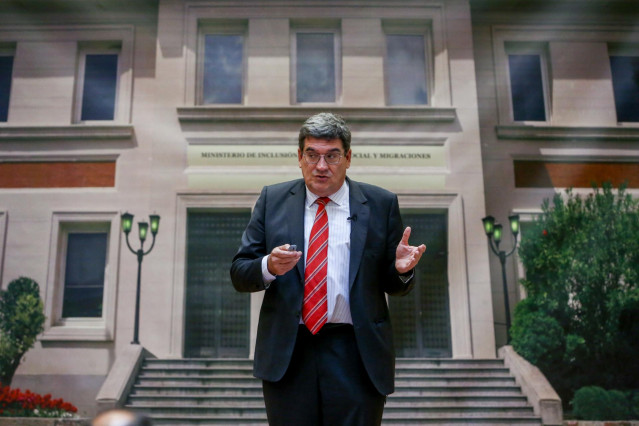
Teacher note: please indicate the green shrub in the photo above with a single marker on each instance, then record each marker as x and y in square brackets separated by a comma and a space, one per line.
[634, 403]
[580, 321]
[595, 403]
[21, 320]
[535, 335]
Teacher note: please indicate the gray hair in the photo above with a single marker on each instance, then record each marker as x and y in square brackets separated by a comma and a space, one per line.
[326, 125]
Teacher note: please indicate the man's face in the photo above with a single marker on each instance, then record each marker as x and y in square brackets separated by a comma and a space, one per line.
[324, 179]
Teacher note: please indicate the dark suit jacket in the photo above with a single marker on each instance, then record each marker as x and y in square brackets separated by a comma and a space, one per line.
[278, 218]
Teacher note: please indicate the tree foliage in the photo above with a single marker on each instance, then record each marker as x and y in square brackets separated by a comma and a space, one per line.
[21, 320]
[580, 322]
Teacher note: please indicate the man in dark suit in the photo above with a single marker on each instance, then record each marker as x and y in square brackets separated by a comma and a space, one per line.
[324, 345]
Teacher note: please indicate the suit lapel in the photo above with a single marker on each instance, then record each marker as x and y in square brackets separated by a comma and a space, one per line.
[359, 228]
[295, 220]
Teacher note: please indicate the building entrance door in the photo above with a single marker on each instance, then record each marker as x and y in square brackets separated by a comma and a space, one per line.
[421, 320]
[217, 318]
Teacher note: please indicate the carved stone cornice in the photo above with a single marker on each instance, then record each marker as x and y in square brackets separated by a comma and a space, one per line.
[57, 134]
[564, 134]
[297, 114]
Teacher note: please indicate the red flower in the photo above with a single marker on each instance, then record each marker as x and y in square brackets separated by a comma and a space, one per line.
[14, 402]
[545, 232]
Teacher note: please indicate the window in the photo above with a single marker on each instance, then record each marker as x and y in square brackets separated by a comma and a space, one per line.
[526, 88]
[6, 71]
[406, 77]
[625, 84]
[81, 285]
[527, 72]
[221, 62]
[97, 83]
[316, 62]
[223, 69]
[84, 274]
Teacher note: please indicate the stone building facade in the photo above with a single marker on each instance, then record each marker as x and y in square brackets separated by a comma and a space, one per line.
[186, 108]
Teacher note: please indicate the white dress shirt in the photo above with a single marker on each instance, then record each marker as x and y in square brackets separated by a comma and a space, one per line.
[339, 251]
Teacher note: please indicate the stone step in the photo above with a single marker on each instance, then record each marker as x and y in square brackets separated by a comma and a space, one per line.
[188, 411]
[400, 363]
[520, 421]
[412, 417]
[252, 401]
[185, 370]
[207, 420]
[235, 380]
[447, 363]
[208, 391]
[421, 363]
[248, 421]
[456, 401]
[428, 391]
[467, 372]
[390, 411]
[195, 371]
[228, 380]
[411, 390]
[255, 388]
[206, 362]
[237, 369]
[172, 401]
[419, 381]
[454, 411]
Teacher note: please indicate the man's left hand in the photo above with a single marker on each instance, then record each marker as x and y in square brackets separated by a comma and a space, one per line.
[407, 256]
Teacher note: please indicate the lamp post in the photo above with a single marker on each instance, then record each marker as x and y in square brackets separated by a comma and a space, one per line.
[495, 230]
[143, 230]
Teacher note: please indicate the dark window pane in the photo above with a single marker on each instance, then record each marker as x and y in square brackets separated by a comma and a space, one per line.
[223, 69]
[84, 276]
[315, 68]
[527, 88]
[6, 69]
[625, 83]
[100, 80]
[406, 69]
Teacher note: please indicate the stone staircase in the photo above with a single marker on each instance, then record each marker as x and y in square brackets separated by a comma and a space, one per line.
[428, 391]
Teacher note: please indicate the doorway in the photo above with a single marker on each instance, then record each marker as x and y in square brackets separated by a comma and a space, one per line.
[217, 318]
[421, 320]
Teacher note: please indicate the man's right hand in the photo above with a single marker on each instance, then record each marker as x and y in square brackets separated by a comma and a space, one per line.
[280, 261]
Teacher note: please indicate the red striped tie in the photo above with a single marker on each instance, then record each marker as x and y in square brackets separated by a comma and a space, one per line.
[315, 309]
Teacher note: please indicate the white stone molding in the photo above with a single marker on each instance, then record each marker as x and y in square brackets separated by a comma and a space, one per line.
[458, 290]
[80, 329]
[297, 114]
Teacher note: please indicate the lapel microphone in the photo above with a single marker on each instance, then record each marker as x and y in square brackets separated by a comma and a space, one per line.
[352, 218]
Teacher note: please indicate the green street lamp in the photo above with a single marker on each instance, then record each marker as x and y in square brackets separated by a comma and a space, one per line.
[143, 230]
[495, 230]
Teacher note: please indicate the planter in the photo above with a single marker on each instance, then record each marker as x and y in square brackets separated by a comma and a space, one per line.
[42, 421]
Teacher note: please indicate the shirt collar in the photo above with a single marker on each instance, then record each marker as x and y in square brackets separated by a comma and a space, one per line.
[340, 197]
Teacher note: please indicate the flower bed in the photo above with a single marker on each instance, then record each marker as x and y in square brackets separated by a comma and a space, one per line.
[42, 421]
[17, 403]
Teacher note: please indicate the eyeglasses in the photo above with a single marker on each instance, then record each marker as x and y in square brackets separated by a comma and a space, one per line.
[331, 158]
